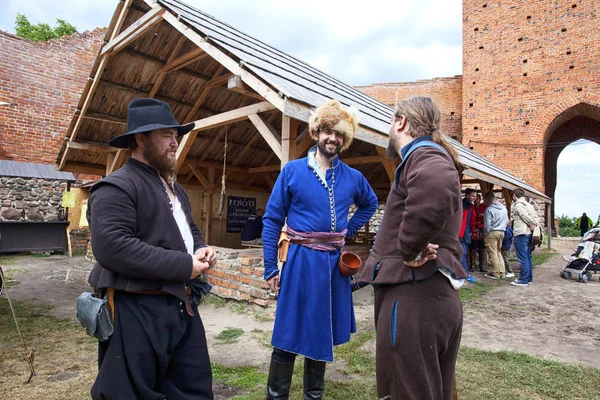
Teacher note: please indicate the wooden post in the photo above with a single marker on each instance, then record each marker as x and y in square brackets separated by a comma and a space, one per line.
[207, 226]
[69, 248]
[289, 131]
[507, 199]
[549, 224]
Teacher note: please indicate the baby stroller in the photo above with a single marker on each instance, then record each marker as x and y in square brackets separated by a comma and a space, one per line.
[586, 258]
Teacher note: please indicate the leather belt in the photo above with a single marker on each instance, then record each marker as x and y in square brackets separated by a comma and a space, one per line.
[314, 240]
[188, 294]
[157, 291]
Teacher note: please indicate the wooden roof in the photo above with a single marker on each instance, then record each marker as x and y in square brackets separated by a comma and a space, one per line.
[240, 92]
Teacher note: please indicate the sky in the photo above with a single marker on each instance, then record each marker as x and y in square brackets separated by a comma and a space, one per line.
[385, 41]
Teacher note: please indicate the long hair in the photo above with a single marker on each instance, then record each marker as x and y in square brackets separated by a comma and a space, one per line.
[424, 117]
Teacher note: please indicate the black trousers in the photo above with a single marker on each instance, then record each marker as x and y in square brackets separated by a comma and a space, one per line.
[418, 325]
[157, 351]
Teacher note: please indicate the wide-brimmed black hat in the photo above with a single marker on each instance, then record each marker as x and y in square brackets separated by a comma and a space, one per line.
[145, 115]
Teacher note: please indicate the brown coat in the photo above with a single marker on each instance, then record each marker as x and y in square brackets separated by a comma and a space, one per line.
[423, 206]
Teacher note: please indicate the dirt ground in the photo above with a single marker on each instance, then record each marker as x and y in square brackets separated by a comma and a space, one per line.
[553, 318]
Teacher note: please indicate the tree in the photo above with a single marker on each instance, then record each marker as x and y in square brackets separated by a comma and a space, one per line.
[42, 31]
[568, 226]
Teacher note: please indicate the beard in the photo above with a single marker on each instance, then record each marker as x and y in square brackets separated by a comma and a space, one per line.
[392, 150]
[328, 153]
[162, 160]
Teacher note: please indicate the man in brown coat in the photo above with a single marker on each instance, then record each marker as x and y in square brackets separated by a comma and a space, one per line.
[418, 313]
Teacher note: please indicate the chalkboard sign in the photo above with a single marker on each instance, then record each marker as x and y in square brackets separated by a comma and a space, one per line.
[238, 211]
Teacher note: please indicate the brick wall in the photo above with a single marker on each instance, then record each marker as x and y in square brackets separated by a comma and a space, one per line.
[446, 92]
[239, 274]
[42, 83]
[527, 66]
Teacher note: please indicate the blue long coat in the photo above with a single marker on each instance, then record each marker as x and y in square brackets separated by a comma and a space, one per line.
[314, 308]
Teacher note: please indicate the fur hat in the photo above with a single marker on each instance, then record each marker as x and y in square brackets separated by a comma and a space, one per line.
[331, 116]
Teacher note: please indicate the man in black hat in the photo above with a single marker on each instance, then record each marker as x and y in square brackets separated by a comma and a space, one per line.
[147, 248]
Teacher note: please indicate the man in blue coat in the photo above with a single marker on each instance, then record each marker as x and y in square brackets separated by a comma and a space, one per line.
[313, 196]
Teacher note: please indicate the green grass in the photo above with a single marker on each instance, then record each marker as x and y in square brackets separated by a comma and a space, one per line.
[60, 344]
[263, 337]
[358, 360]
[239, 307]
[9, 276]
[541, 256]
[509, 375]
[229, 335]
[475, 291]
[7, 260]
[262, 316]
[214, 300]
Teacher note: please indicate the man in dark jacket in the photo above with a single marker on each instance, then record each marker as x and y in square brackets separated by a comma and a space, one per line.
[467, 227]
[147, 247]
[418, 313]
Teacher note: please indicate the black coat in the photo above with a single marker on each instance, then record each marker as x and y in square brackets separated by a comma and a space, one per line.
[135, 238]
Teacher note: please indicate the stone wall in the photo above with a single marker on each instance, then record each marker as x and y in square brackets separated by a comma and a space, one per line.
[35, 199]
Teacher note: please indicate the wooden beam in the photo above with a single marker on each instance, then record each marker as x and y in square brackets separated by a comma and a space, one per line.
[269, 133]
[304, 145]
[302, 135]
[215, 121]
[121, 19]
[90, 87]
[289, 132]
[133, 31]
[496, 181]
[269, 181]
[507, 194]
[218, 136]
[203, 181]
[302, 112]
[388, 165]
[181, 61]
[96, 147]
[110, 157]
[362, 160]
[214, 165]
[203, 94]
[86, 104]
[230, 117]
[266, 168]
[162, 75]
[82, 168]
[118, 161]
[218, 55]
[142, 93]
[207, 231]
[253, 177]
[158, 61]
[236, 84]
[240, 157]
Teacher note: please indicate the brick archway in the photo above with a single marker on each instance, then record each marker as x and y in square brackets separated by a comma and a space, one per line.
[577, 117]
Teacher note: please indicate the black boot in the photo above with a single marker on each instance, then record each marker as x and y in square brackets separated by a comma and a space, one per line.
[280, 380]
[314, 379]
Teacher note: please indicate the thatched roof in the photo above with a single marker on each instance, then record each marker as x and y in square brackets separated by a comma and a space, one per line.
[236, 88]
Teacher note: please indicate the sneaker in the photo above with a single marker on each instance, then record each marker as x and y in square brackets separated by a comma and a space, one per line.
[471, 279]
[491, 276]
[519, 282]
[510, 275]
